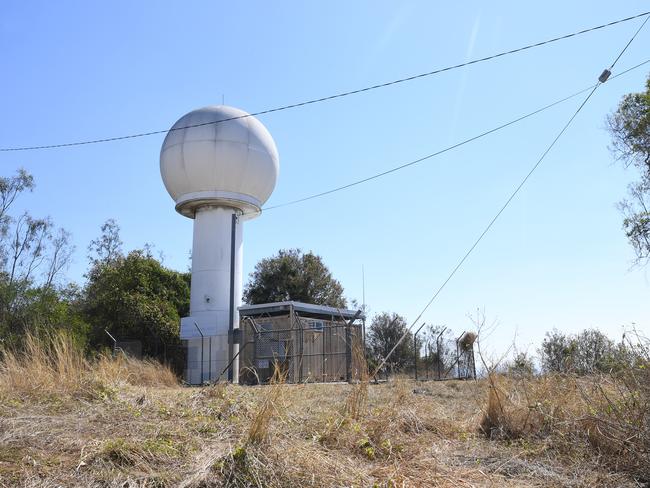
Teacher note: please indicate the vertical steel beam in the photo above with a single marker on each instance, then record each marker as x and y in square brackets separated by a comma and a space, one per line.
[231, 311]
[348, 353]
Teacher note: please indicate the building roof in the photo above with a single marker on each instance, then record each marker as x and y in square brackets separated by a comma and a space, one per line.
[305, 309]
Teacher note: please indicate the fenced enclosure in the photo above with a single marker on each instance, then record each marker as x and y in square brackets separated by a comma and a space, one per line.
[305, 343]
[312, 343]
[148, 346]
[438, 355]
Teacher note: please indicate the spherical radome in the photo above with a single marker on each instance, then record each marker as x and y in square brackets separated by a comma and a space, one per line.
[234, 162]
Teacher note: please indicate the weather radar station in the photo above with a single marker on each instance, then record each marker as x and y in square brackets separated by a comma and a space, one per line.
[220, 165]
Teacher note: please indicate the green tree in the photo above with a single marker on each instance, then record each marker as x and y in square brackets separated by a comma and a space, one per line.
[292, 275]
[556, 352]
[33, 257]
[108, 246]
[135, 297]
[521, 366]
[588, 352]
[385, 331]
[629, 127]
[47, 309]
[593, 352]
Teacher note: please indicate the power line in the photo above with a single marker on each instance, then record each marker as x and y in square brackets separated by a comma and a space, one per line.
[507, 203]
[329, 97]
[629, 42]
[446, 149]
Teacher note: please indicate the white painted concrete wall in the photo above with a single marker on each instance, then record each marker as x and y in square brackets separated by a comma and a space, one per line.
[210, 294]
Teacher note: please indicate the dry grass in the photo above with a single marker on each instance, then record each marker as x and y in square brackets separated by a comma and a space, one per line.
[58, 429]
[125, 370]
[258, 431]
[55, 366]
[519, 407]
[607, 416]
[46, 367]
[356, 402]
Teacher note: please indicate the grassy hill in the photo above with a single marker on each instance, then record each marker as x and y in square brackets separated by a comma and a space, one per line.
[67, 421]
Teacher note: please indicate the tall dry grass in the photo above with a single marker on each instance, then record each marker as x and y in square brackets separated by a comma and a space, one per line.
[258, 432]
[607, 415]
[357, 400]
[136, 372]
[43, 366]
[54, 365]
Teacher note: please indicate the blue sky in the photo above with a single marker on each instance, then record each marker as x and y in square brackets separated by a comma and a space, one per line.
[557, 258]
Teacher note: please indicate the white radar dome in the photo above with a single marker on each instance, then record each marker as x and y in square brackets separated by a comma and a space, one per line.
[233, 162]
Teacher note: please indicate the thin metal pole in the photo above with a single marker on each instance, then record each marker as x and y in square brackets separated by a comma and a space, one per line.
[231, 307]
[348, 343]
[202, 347]
[473, 363]
[241, 349]
[210, 358]
[348, 353]
[114, 341]
[458, 353]
[438, 359]
[415, 354]
[415, 348]
[427, 355]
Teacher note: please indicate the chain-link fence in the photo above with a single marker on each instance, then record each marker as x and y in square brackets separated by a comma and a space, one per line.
[300, 349]
[438, 355]
[172, 355]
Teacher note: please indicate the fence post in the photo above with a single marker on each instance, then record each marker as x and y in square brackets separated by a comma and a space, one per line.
[202, 347]
[210, 360]
[473, 363]
[457, 360]
[348, 345]
[427, 357]
[415, 349]
[256, 345]
[114, 341]
[415, 354]
[348, 353]
[439, 359]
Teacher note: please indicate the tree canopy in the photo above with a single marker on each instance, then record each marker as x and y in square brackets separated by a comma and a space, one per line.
[629, 127]
[385, 330]
[292, 275]
[132, 296]
[135, 297]
[33, 256]
[587, 352]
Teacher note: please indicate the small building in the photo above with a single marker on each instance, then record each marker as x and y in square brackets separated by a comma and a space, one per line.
[304, 342]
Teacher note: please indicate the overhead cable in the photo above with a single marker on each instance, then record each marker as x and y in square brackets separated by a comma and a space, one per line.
[506, 204]
[446, 149]
[329, 97]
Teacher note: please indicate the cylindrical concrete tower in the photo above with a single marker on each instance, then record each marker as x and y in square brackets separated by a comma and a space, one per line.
[220, 165]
